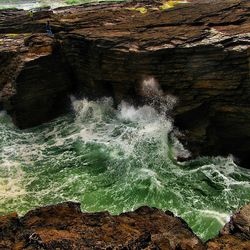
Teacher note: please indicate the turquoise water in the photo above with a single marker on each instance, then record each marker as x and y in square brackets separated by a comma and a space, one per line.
[116, 160]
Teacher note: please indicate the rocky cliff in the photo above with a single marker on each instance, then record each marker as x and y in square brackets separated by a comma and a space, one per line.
[197, 51]
[64, 226]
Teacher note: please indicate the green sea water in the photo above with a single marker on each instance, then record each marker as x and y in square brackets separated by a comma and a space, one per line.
[116, 160]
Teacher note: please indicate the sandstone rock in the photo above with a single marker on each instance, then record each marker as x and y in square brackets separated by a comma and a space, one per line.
[198, 52]
[64, 226]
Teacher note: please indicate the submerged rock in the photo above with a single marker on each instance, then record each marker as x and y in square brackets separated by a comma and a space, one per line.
[64, 226]
[196, 51]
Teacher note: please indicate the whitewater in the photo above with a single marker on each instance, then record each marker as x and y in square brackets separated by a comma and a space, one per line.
[116, 159]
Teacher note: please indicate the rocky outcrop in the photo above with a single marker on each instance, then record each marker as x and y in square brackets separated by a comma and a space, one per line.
[235, 234]
[64, 226]
[198, 52]
[36, 82]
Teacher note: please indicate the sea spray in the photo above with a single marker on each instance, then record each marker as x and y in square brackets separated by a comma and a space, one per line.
[151, 90]
[116, 160]
[164, 104]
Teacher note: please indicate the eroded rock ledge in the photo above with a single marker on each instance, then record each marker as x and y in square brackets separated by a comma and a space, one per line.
[64, 226]
[198, 52]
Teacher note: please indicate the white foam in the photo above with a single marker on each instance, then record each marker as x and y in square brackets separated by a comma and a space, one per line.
[222, 218]
[11, 183]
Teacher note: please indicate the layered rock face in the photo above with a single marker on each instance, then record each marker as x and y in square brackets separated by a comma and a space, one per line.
[35, 83]
[64, 226]
[198, 52]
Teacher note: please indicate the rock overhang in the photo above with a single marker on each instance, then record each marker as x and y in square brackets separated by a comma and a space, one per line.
[198, 52]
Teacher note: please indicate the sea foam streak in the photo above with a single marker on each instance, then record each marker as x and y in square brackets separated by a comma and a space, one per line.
[116, 160]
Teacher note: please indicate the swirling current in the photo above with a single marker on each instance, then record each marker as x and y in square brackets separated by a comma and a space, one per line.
[116, 160]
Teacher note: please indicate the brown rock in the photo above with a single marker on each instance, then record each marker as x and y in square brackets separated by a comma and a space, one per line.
[228, 242]
[36, 82]
[239, 224]
[64, 226]
[9, 225]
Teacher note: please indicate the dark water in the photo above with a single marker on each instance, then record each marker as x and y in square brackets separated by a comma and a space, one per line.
[116, 160]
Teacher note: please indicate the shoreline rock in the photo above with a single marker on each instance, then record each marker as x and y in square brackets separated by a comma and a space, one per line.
[235, 234]
[198, 52]
[64, 226]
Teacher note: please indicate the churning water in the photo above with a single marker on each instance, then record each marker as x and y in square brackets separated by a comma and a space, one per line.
[116, 160]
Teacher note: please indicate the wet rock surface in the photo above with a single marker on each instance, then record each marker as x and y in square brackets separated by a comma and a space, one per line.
[198, 52]
[64, 226]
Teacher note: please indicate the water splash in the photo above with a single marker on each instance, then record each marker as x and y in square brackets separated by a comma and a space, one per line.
[151, 90]
[150, 87]
[116, 160]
